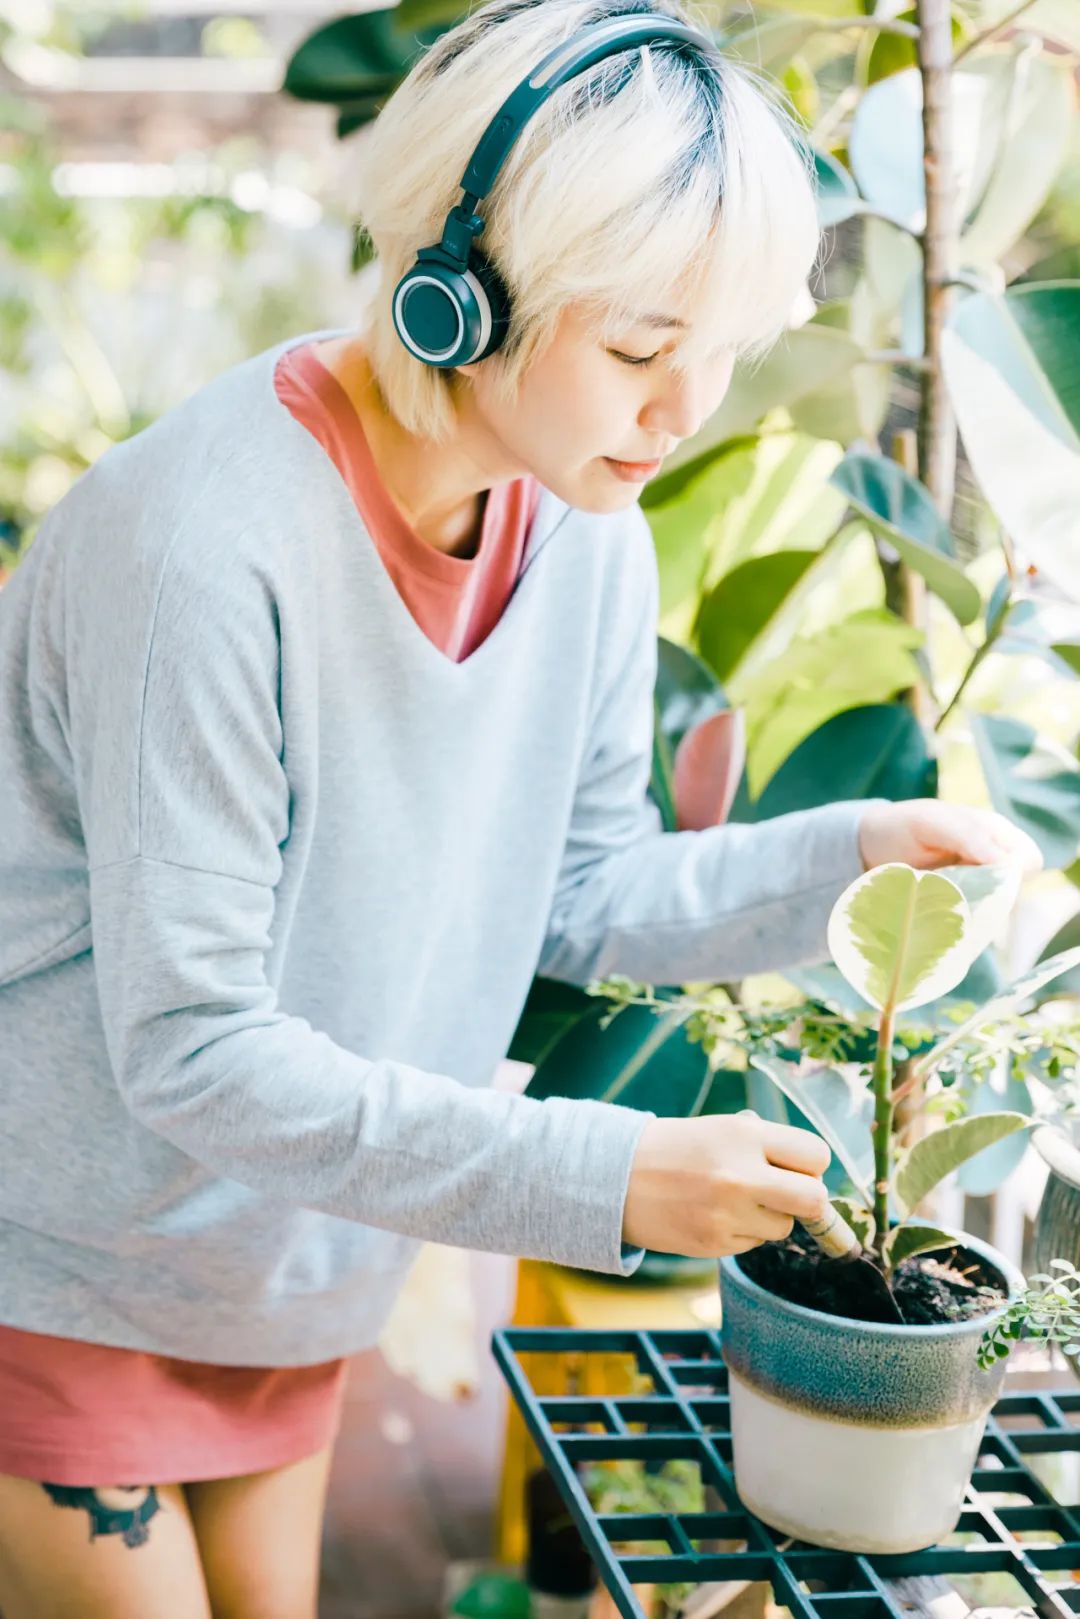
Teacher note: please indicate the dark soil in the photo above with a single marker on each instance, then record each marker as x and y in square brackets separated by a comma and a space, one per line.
[950, 1284]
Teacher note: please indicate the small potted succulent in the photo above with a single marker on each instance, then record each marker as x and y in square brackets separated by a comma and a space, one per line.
[865, 1353]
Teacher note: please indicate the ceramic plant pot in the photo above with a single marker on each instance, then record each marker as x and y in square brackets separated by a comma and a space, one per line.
[851, 1434]
[1057, 1225]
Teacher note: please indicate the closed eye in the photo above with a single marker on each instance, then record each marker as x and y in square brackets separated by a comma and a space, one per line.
[630, 359]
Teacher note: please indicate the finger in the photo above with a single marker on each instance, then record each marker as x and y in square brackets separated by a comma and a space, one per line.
[984, 837]
[1016, 844]
[792, 1194]
[772, 1227]
[789, 1147]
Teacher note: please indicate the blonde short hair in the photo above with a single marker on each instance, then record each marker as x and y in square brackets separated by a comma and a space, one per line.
[655, 170]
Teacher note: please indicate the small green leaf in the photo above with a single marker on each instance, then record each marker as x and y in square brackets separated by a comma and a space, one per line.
[937, 1155]
[904, 1241]
[1068, 652]
[858, 1217]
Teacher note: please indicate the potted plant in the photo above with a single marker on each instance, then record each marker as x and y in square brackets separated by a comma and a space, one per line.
[1057, 1225]
[860, 1391]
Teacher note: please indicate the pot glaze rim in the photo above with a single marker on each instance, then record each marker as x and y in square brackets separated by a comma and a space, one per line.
[1012, 1274]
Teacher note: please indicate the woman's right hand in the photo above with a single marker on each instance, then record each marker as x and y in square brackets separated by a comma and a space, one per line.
[706, 1187]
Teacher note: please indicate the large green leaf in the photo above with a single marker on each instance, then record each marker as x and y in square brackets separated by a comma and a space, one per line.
[837, 194]
[839, 1107]
[357, 58]
[885, 148]
[876, 751]
[800, 362]
[741, 606]
[431, 14]
[1067, 937]
[769, 41]
[681, 524]
[989, 1169]
[852, 404]
[1033, 144]
[1012, 366]
[886, 141]
[550, 1008]
[901, 508]
[748, 499]
[686, 691]
[1069, 653]
[1031, 781]
[643, 1059]
[864, 658]
[929, 1160]
[685, 695]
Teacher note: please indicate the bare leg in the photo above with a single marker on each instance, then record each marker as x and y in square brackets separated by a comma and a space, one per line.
[259, 1538]
[115, 1552]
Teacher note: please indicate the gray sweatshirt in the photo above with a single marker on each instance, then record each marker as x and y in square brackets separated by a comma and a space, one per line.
[275, 877]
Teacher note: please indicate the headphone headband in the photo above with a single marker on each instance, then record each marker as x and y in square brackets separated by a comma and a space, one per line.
[563, 62]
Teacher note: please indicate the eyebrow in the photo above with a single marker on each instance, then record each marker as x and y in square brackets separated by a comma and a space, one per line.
[659, 320]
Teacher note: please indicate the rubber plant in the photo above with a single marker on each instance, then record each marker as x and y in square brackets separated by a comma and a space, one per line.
[901, 939]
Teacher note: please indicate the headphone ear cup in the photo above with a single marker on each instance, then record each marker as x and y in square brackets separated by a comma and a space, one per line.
[498, 297]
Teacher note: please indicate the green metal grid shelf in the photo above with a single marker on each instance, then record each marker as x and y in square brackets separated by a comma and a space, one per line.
[1035, 1539]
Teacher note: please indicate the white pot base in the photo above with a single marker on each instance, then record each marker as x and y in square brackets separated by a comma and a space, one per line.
[841, 1485]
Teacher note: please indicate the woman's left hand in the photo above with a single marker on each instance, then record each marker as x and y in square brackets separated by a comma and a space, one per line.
[925, 832]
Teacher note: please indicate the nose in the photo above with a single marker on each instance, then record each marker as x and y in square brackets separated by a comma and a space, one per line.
[681, 404]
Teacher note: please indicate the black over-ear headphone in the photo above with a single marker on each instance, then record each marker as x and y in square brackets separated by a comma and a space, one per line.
[452, 307]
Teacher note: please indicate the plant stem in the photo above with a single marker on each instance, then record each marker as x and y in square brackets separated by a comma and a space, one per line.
[980, 654]
[883, 1116]
[937, 425]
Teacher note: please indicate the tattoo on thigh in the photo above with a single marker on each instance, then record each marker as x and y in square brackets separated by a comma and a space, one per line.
[108, 1517]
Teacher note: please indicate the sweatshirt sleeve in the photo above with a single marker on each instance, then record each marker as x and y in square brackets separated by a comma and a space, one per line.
[682, 907]
[185, 801]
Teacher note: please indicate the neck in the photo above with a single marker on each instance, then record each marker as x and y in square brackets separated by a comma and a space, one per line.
[440, 490]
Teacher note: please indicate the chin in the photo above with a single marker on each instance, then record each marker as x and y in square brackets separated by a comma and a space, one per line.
[596, 491]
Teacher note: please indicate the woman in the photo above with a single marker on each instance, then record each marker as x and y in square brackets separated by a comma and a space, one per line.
[327, 725]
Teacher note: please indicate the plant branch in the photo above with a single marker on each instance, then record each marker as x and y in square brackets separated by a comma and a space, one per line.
[883, 25]
[994, 28]
[916, 362]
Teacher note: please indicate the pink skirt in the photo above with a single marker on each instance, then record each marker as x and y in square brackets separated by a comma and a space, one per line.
[92, 1415]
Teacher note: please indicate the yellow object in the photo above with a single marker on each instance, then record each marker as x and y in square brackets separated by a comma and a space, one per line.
[555, 1296]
